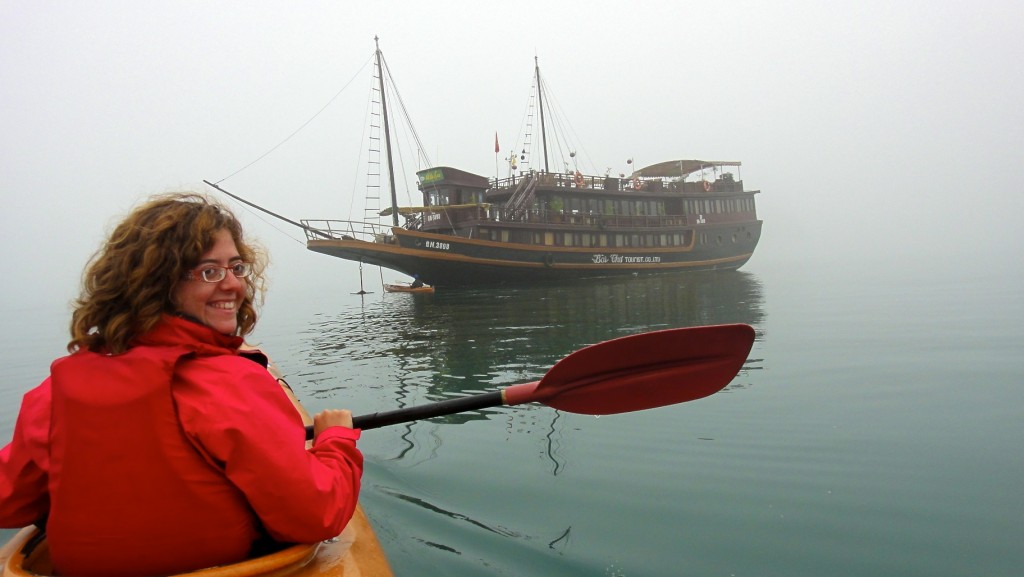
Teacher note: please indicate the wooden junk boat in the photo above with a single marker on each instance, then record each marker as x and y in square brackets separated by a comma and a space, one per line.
[539, 224]
[551, 226]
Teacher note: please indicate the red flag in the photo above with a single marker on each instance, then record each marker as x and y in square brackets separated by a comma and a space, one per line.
[496, 149]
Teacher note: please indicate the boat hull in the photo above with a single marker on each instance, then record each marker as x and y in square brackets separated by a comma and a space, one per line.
[446, 261]
[354, 553]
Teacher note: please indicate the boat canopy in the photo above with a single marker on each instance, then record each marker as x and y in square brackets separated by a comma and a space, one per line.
[430, 209]
[680, 168]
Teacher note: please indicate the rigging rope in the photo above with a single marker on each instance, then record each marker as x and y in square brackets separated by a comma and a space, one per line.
[304, 124]
[405, 113]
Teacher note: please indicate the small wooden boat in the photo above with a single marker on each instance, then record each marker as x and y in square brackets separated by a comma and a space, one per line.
[354, 553]
[405, 288]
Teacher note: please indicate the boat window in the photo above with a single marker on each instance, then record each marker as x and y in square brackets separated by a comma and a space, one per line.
[438, 198]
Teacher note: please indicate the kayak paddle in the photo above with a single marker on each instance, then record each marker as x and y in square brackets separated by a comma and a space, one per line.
[631, 373]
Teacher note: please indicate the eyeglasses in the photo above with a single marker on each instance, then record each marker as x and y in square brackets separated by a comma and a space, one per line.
[216, 273]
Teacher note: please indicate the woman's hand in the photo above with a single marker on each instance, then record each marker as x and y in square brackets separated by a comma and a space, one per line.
[331, 418]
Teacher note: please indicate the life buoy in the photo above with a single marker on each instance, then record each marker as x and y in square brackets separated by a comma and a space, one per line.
[579, 179]
[637, 183]
[707, 186]
[549, 259]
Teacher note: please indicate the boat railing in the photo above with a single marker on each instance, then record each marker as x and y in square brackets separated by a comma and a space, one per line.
[586, 219]
[616, 184]
[345, 230]
[557, 179]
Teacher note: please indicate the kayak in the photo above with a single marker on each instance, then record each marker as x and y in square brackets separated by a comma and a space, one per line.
[404, 288]
[354, 553]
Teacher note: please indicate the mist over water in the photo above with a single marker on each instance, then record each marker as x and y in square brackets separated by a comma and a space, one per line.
[876, 427]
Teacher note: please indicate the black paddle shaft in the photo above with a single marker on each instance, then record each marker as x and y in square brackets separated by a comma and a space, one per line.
[449, 407]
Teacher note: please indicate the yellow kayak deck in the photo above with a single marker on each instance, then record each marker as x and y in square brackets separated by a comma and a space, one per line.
[354, 553]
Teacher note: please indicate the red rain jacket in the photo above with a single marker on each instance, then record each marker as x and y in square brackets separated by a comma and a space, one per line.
[176, 455]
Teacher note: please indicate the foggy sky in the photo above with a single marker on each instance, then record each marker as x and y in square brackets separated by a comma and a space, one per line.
[883, 133]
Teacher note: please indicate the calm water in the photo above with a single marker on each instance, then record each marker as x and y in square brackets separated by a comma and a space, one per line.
[876, 428]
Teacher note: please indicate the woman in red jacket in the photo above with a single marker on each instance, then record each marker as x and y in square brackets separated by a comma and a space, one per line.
[161, 444]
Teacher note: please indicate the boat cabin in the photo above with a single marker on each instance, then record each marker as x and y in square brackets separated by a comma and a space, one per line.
[656, 207]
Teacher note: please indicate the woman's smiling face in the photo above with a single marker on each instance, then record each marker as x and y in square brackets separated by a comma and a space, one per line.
[215, 304]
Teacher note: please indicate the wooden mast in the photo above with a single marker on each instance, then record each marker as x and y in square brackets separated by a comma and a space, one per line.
[387, 135]
[540, 104]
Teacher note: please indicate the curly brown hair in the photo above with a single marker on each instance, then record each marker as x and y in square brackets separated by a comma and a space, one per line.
[128, 283]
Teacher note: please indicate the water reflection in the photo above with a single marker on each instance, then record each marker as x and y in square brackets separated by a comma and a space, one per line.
[424, 504]
[397, 350]
[421, 348]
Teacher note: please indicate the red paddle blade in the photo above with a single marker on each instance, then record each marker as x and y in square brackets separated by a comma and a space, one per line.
[643, 371]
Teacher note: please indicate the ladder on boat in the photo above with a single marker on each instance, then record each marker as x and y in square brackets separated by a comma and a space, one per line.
[521, 199]
[371, 210]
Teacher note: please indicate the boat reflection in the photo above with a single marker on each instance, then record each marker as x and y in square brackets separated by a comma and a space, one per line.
[398, 350]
